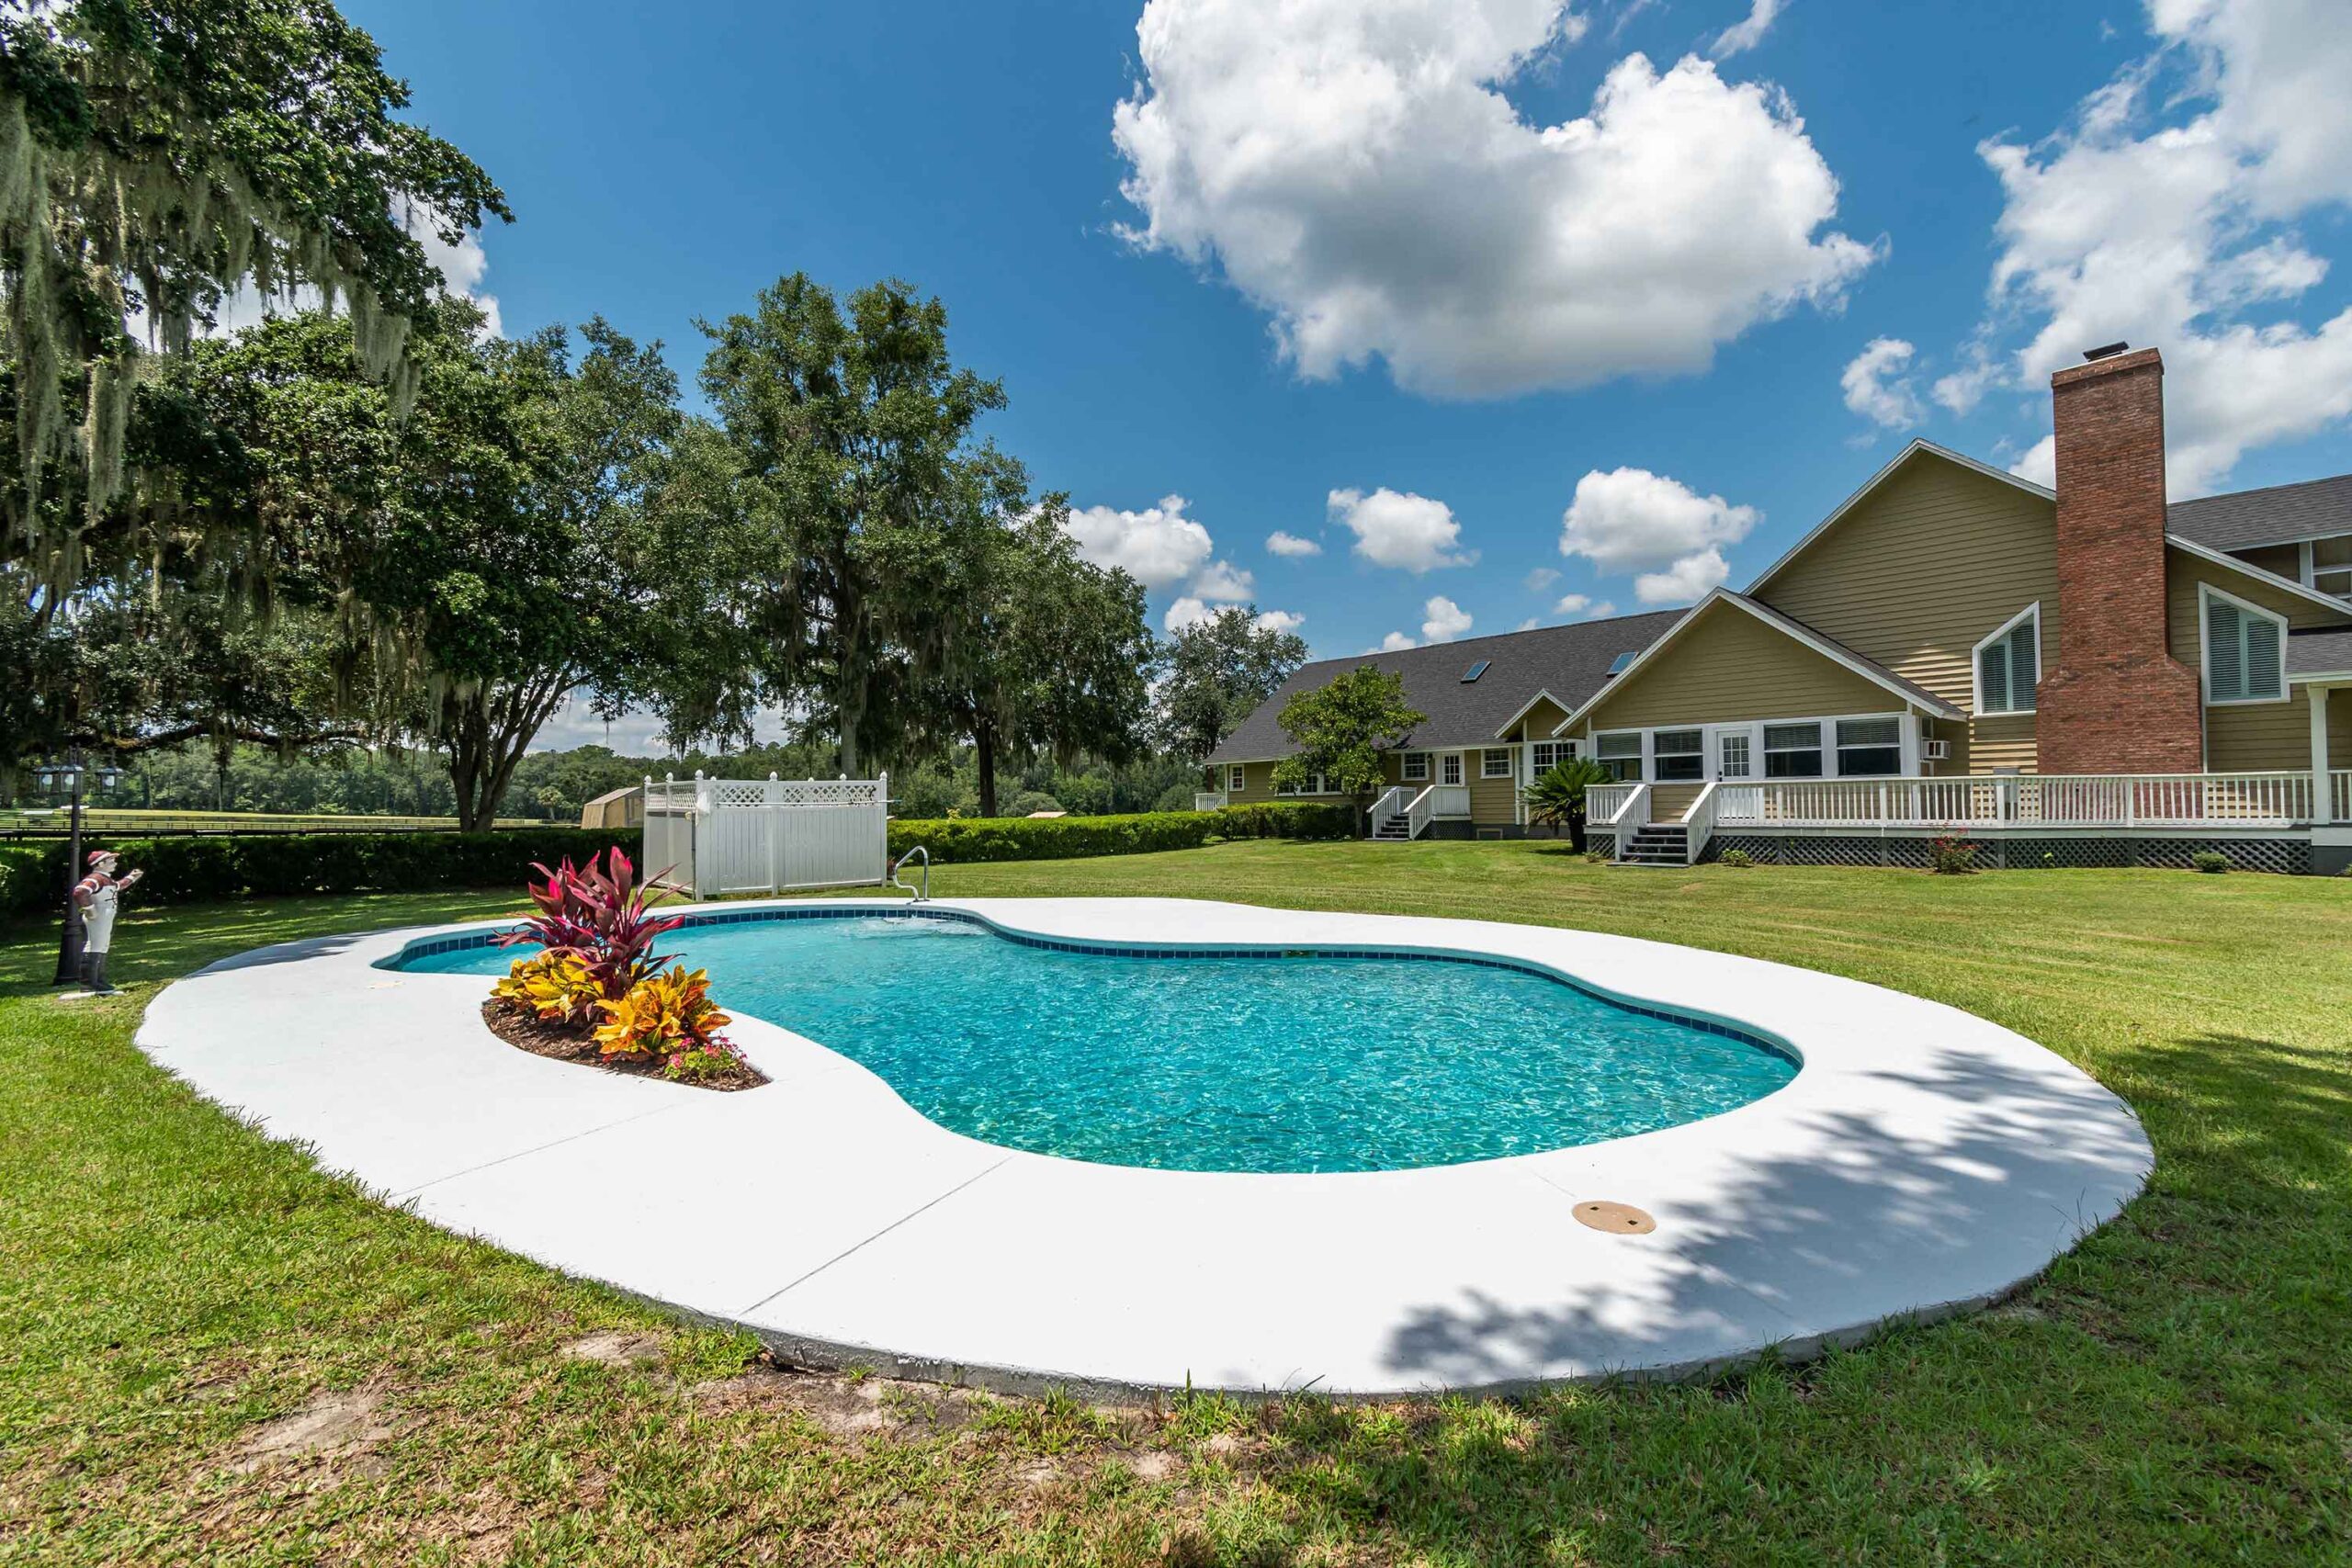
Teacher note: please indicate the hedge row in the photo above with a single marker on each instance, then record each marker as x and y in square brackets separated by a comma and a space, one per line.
[966, 839]
[33, 877]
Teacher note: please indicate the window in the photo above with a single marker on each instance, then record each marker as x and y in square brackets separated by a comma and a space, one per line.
[1731, 750]
[2245, 650]
[1450, 768]
[1793, 751]
[1416, 767]
[1868, 748]
[2009, 664]
[1316, 785]
[1621, 753]
[2330, 566]
[1476, 670]
[1235, 779]
[1550, 755]
[1680, 755]
[1494, 765]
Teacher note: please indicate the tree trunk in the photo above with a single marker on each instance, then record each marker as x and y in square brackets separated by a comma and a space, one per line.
[1575, 828]
[984, 759]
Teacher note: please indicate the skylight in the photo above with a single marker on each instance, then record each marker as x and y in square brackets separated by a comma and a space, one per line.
[1617, 665]
[1476, 670]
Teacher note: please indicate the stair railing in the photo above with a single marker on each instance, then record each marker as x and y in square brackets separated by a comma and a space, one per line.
[1634, 814]
[1417, 815]
[1698, 824]
[1389, 805]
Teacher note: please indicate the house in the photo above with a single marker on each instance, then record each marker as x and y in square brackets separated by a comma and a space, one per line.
[2088, 675]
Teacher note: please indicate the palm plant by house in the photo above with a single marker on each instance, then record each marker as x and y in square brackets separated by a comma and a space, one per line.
[1556, 797]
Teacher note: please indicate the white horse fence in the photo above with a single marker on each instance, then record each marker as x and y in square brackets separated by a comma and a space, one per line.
[719, 836]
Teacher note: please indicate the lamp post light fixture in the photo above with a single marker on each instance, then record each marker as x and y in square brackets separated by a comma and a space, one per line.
[71, 776]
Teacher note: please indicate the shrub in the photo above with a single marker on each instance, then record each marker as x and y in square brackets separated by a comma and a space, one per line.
[971, 839]
[598, 911]
[668, 1015]
[555, 986]
[178, 870]
[1738, 860]
[2209, 861]
[1952, 855]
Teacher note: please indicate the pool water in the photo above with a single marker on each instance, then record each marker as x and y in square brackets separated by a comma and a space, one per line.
[1311, 1062]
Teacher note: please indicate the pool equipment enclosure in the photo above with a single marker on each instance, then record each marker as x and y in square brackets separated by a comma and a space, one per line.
[721, 836]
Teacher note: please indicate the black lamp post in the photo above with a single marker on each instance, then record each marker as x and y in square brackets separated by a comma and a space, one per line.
[70, 776]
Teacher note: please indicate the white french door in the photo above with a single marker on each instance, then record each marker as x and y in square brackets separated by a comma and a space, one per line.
[1733, 752]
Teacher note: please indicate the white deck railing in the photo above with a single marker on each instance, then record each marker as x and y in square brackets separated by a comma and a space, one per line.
[1699, 822]
[2100, 800]
[1604, 803]
[2342, 796]
[1208, 800]
[1450, 800]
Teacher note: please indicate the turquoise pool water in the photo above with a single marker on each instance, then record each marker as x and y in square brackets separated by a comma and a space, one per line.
[1272, 1063]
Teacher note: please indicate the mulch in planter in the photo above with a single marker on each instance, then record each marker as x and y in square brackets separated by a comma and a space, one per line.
[564, 1042]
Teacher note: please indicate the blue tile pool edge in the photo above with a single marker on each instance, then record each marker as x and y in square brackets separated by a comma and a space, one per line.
[1707, 1023]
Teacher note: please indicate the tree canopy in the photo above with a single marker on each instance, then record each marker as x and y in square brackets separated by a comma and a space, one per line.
[1213, 673]
[1341, 728]
[157, 154]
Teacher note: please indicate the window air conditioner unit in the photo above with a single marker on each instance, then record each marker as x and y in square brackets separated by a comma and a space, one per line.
[1935, 751]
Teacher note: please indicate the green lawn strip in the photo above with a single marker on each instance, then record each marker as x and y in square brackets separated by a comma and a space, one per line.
[2178, 1390]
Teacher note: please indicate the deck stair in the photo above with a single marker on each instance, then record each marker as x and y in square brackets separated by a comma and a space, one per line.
[1657, 843]
[1394, 830]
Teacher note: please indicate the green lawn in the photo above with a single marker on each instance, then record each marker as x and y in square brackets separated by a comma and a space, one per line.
[2179, 1390]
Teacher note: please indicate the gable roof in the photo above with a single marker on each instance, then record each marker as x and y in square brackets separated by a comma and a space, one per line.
[2321, 652]
[2276, 514]
[1911, 692]
[1912, 451]
[1568, 663]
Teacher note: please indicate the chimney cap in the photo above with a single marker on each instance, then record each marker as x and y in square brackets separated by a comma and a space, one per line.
[2104, 351]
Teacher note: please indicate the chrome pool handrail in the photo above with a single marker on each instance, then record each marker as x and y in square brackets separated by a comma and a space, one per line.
[924, 896]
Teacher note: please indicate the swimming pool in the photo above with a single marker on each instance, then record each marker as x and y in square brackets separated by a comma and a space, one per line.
[1192, 1059]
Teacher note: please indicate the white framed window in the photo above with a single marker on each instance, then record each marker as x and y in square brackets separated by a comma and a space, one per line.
[1869, 748]
[1678, 756]
[1494, 764]
[1793, 751]
[1235, 779]
[1620, 752]
[1316, 785]
[2327, 566]
[2009, 664]
[2245, 649]
[1450, 768]
[1545, 755]
[1416, 767]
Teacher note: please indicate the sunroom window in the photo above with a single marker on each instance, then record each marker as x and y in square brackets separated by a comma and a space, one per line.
[2246, 652]
[2009, 664]
[1681, 755]
[1793, 751]
[1620, 753]
[1868, 746]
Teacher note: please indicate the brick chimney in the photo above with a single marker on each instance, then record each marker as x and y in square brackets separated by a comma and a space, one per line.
[2117, 701]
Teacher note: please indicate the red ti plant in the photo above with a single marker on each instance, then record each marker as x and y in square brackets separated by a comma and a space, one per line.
[601, 912]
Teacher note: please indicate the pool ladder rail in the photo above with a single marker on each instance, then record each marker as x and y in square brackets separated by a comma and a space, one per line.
[923, 895]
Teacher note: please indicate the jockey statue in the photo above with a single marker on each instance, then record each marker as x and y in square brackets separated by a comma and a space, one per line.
[96, 896]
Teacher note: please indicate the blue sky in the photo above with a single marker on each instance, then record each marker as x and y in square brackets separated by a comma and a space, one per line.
[1442, 288]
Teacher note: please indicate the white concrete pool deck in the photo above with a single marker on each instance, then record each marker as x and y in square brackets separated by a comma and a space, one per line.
[1922, 1161]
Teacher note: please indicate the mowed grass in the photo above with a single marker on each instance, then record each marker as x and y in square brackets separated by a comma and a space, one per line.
[175, 1287]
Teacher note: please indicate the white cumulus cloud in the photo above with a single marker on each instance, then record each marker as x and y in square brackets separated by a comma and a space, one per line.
[1543, 576]
[1750, 31]
[1279, 621]
[1877, 384]
[1633, 519]
[1412, 533]
[2164, 214]
[1222, 582]
[1447, 620]
[1158, 546]
[1281, 544]
[1395, 642]
[1583, 604]
[1354, 169]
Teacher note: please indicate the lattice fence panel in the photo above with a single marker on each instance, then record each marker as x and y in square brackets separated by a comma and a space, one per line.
[2287, 856]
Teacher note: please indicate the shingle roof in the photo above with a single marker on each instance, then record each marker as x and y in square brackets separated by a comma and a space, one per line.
[2273, 515]
[2324, 653]
[1569, 661]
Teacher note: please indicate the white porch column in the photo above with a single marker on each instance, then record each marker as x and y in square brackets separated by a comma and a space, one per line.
[2323, 786]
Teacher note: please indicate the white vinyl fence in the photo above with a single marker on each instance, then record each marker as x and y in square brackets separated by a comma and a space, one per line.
[717, 836]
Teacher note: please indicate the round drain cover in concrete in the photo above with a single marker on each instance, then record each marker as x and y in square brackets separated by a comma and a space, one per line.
[1620, 1219]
